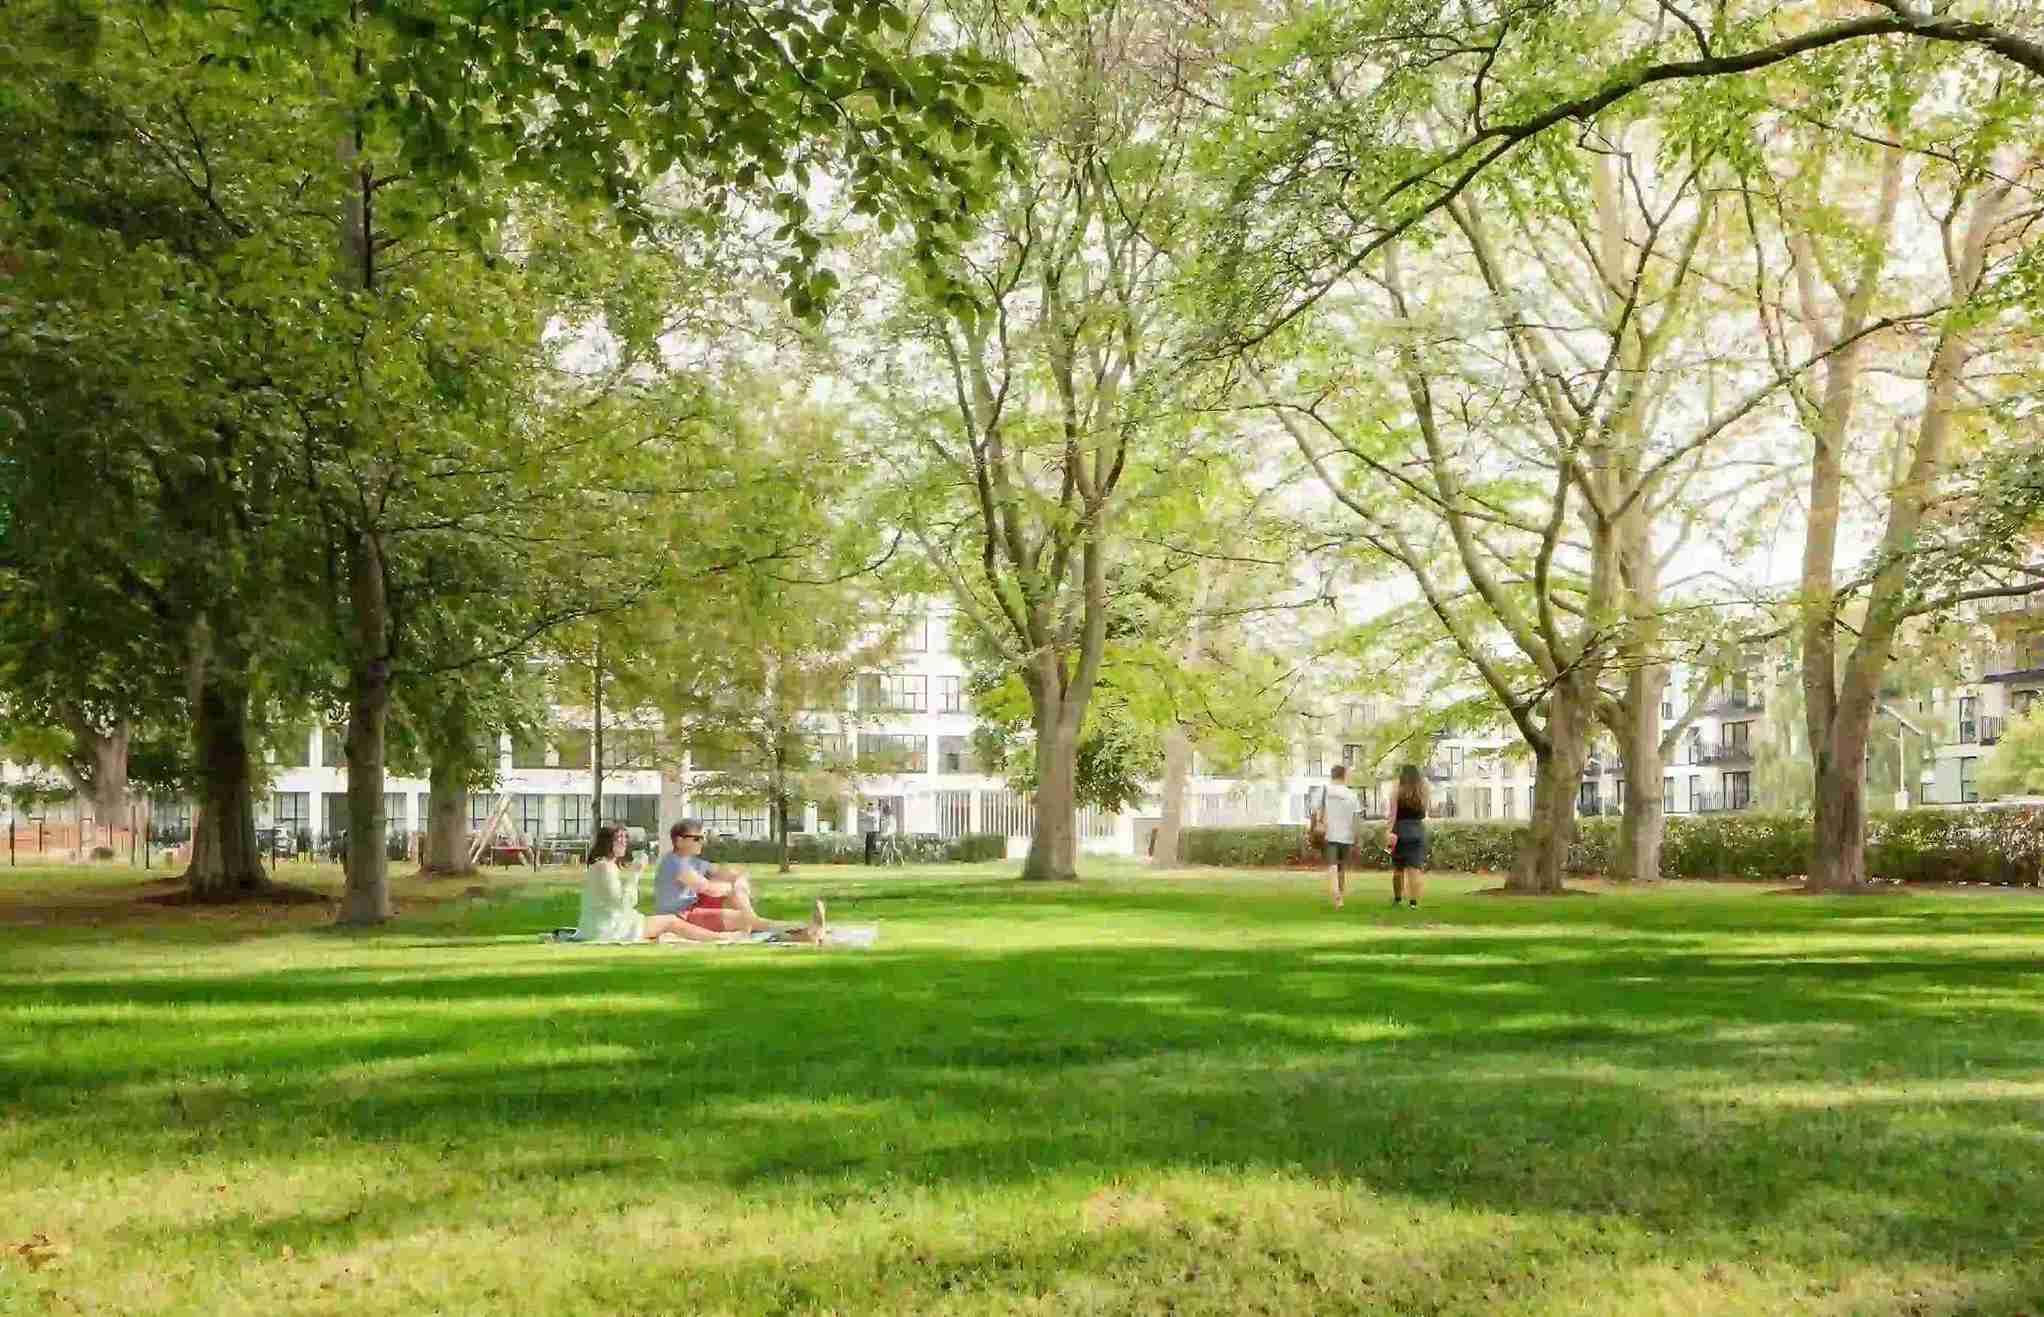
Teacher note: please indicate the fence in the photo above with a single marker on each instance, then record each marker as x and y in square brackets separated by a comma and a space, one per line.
[45, 841]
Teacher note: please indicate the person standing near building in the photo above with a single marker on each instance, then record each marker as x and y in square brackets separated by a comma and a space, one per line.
[869, 823]
[1406, 838]
[1338, 810]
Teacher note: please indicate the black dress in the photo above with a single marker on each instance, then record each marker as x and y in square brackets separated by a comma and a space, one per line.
[1410, 827]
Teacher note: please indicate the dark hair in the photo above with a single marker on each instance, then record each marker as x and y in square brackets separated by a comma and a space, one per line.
[1412, 790]
[675, 831]
[604, 845]
[1339, 772]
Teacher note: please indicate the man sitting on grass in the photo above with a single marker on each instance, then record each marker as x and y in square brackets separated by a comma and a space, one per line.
[716, 897]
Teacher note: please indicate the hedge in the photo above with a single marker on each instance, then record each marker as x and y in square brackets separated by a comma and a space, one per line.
[850, 848]
[2001, 846]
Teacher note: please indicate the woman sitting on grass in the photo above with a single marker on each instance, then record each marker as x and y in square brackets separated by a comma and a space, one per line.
[610, 901]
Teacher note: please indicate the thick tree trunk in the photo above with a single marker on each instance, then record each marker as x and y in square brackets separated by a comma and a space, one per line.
[1177, 773]
[99, 771]
[1558, 771]
[226, 865]
[1054, 849]
[1838, 861]
[365, 897]
[446, 853]
[1642, 820]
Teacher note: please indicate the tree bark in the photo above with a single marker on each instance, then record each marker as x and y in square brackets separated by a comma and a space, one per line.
[1177, 773]
[99, 772]
[1054, 848]
[1557, 771]
[1642, 819]
[446, 853]
[226, 865]
[365, 896]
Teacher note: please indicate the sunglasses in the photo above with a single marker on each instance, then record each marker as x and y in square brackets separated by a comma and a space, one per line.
[691, 836]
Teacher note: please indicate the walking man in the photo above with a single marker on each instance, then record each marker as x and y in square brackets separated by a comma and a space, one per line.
[869, 823]
[1338, 810]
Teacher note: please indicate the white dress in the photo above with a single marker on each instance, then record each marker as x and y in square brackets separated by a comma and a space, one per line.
[610, 905]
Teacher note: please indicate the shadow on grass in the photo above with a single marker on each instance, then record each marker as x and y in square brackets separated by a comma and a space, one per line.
[1634, 1066]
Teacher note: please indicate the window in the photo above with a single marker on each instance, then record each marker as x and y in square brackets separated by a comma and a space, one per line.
[573, 745]
[1693, 743]
[1667, 711]
[1695, 794]
[1510, 797]
[1668, 800]
[915, 637]
[1969, 780]
[954, 755]
[954, 813]
[292, 810]
[2020, 702]
[950, 696]
[574, 815]
[481, 806]
[892, 692]
[531, 815]
[1483, 802]
[831, 749]
[294, 747]
[334, 818]
[1351, 755]
[634, 811]
[1316, 761]
[1586, 799]
[1738, 737]
[395, 821]
[1738, 790]
[1532, 803]
[705, 757]
[629, 747]
[894, 752]
[722, 816]
[333, 745]
[1969, 720]
[529, 751]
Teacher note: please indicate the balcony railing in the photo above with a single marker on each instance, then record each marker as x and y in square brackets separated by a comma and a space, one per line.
[1715, 802]
[1734, 703]
[1725, 753]
[1979, 731]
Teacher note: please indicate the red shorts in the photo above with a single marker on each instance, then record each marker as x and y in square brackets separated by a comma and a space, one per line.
[703, 914]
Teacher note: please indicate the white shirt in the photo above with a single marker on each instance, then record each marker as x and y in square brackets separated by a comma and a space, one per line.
[1340, 808]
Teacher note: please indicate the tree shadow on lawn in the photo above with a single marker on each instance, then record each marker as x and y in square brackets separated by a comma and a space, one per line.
[1515, 1072]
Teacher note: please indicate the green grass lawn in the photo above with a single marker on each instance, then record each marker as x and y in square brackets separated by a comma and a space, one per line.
[1191, 1094]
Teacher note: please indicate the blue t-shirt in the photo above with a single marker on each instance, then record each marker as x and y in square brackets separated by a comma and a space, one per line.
[671, 895]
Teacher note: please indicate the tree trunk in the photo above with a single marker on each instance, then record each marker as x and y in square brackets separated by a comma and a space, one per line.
[781, 810]
[1054, 849]
[1558, 772]
[1177, 773]
[365, 897]
[99, 772]
[1642, 820]
[1838, 862]
[596, 737]
[225, 863]
[446, 854]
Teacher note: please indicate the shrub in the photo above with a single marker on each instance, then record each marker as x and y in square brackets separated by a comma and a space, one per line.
[2001, 846]
[975, 847]
[850, 848]
[1269, 846]
[102, 852]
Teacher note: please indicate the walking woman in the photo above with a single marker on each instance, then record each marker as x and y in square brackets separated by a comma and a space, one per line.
[1406, 838]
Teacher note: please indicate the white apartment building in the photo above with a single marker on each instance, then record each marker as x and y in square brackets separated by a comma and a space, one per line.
[2003, 679]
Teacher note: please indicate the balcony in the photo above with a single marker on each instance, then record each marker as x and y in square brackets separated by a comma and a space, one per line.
[1979, 731]
[1733, 704]
[1437, 771]
[1718, 802]
[1726, 753]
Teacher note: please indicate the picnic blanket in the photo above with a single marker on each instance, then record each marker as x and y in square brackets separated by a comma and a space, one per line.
[859, 936]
